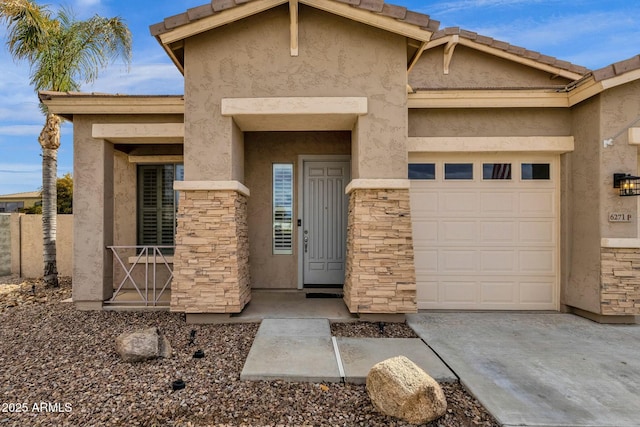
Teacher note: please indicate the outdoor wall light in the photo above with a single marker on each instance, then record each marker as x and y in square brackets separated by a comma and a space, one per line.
[629, 185]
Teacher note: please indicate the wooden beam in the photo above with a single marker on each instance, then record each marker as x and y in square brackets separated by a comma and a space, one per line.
[503, 54]
[488, 99]
[293, 13]
[219, 19]
[448, 52]
[415, 57]
[374, 19]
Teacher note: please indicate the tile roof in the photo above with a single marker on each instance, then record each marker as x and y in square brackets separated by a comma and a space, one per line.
[516, 50]
[617, 68]
[25, 195]
[374, 6]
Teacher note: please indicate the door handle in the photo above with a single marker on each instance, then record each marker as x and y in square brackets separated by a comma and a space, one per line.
[306, 240]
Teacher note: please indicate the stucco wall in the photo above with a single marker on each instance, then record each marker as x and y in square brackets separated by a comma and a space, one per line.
[95, 210]
[31, 258]
[337, 57]
[490, 122]
[619, 106]
[262, 149]
[470, 68]
[5, 244]
[581, 211]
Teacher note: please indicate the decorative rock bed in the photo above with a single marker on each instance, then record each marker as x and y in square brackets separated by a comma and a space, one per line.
[62, 365]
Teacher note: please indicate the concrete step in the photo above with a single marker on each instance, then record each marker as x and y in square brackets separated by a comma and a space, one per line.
[304, 350]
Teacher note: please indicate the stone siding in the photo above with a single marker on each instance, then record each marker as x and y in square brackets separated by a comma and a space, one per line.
[211, 261]
[380, 273]
[620, 278]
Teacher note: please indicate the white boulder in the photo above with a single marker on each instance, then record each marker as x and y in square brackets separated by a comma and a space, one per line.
[398, 387]
[141, 345]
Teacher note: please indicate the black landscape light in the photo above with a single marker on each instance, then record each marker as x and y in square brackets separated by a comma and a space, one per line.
[199, 354]
[178, 385]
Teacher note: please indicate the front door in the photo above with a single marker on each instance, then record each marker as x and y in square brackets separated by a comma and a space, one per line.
[324, 223]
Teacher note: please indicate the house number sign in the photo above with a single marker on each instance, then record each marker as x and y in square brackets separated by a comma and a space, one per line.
[619, 217]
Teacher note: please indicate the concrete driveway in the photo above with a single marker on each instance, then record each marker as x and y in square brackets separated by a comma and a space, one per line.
[541, 369]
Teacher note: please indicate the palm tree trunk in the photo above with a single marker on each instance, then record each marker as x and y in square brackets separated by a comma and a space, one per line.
[50, 141]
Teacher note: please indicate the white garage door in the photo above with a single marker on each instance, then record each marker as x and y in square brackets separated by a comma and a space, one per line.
[485, 230]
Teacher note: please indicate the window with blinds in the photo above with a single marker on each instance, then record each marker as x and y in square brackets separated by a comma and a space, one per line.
[282, 209]
[157, 203]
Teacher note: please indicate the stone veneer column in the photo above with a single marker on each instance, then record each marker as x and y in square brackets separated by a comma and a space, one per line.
[211, 261]
[620, 281]
[380, 272]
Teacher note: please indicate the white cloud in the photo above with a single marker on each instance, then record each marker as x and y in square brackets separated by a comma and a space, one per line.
[85, 3]
[449, 7]
[20, 130]
[141, 79]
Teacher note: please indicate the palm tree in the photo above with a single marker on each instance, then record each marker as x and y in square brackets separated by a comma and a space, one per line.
[63, 52]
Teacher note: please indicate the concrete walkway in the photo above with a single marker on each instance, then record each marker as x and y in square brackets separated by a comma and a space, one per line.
[304, 350]
[541, 369]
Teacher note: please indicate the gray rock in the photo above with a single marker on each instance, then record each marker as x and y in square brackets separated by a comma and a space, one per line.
[398, 387]
[141, 345]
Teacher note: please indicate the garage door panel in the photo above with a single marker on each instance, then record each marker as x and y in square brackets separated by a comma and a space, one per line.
[494, 292]
[427, 230]
[425, 201]
[459, 291]
[496, 203]
[459, 202]
[537, 261]
[537, 292]
[457, 260]
[503, 261]
[427, 293]
[537, 231]
[427, 262]
[458, 231]
[537, 203]
[497, 231]
[487, 244]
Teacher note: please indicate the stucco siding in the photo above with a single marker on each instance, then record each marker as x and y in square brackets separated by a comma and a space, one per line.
[337, 57]
[103, 195]
[490, 122]
[262, 149]
[619, 107]
[5, 244]
[581, 203]
[470, 68]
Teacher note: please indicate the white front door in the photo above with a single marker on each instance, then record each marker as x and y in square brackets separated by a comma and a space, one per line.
[324, 222]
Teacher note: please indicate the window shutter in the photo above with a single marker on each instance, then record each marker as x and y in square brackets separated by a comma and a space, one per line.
[282, 208]
[157, 204]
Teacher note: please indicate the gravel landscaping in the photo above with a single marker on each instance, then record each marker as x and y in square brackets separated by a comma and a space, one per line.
[59, 367]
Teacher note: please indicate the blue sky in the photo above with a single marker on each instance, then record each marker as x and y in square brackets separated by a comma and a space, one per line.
[592, 33]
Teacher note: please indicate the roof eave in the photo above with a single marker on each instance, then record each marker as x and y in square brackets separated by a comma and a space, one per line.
[68, 104]
[396, 19]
